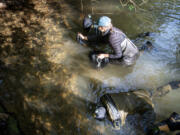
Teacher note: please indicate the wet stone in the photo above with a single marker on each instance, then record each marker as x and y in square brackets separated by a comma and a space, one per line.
[175, 84]
[163, 90]
[122, 106]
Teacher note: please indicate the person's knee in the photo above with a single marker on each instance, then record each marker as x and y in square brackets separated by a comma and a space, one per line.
[130, 61]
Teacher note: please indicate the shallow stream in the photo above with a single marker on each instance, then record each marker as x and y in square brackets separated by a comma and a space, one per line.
[48, 80]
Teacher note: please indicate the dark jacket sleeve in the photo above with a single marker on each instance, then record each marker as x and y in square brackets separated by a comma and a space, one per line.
[116, 45]
[92, 38]
[95, 38]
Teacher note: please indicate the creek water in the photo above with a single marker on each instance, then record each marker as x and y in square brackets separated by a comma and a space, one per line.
[56, 89]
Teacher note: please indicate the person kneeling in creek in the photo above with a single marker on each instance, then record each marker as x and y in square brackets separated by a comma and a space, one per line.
[124, 51]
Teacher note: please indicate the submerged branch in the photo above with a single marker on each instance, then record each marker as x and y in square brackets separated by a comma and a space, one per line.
[143, 2]
[132, 2]
[123, 5]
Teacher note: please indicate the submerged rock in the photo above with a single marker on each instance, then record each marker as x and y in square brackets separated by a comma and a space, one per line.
[163, 90]
[148, 46]
[143, 35]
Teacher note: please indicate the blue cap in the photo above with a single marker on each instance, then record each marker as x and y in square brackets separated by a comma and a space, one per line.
[104, 21]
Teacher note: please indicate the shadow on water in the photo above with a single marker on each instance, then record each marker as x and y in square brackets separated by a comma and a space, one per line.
[68, 14]
[42, 105]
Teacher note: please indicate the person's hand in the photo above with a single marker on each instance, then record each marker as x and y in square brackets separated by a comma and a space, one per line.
[102, 56]
[82, 36]
[2, 5]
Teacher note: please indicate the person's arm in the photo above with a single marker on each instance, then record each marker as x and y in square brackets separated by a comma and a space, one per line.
[116, 45]
[92, 38]
[82, 36]
[102, 55]
[89, 38]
